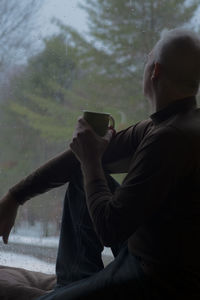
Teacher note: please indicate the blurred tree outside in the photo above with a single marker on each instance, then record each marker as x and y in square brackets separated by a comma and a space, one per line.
[72, 73]
[17, 22]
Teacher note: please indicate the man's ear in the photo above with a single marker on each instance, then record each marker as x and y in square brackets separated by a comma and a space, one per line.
[156, 71]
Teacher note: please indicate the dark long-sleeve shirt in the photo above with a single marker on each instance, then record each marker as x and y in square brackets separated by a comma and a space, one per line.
[157, 207]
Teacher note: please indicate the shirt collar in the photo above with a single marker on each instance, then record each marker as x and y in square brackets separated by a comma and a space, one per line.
[174, 108]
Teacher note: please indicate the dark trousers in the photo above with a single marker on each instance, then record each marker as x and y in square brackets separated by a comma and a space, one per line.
[79, 268]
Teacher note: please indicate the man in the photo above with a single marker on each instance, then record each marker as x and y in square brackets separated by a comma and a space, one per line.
[152, 221]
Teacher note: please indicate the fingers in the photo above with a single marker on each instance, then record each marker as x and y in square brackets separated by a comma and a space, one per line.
[113, 130]
[83, 123]
[82, 126]
[6, 236]
[109, 134]
[74, 144]
[84, 132]
[5, 239]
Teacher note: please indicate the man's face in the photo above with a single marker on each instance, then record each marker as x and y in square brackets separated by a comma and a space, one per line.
[147, 82]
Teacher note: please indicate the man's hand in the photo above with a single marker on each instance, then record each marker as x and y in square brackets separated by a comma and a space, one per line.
[87, 145]
[8, 213]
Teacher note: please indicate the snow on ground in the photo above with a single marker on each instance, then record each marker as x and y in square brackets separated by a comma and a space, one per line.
[36, 241]
[51, 242]
[25, 261]
[29, 262]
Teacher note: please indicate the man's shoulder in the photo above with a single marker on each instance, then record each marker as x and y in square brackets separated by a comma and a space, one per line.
[144, 124]
[186, 125]
[142, 128]
[137, 130]
[163, 135]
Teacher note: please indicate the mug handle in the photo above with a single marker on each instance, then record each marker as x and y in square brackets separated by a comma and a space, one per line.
[112, 121]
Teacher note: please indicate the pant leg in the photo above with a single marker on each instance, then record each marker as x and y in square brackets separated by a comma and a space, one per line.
[79, 251]
[121, 279]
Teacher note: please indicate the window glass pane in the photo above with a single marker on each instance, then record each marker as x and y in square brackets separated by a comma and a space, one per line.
[57, 58]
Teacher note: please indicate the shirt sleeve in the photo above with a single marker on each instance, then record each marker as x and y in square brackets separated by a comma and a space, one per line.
[57, 171]
[117, 156]
[159, 162]
[54, 173]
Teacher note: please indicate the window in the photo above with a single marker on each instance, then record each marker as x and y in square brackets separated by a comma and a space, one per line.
[57, 59]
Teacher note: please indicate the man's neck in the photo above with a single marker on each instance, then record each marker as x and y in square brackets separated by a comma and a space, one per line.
[161, 102]
[159, 105]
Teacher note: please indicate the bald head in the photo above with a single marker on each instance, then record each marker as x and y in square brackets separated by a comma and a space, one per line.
[178, 51]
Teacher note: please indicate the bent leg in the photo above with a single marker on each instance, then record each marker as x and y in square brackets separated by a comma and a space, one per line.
[121, 279]
[79, 252]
